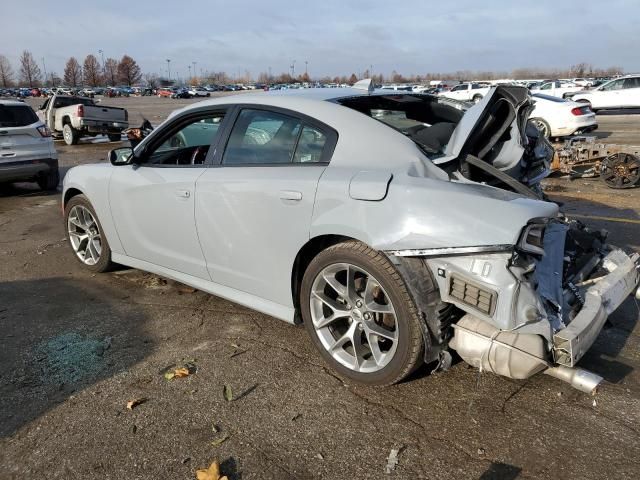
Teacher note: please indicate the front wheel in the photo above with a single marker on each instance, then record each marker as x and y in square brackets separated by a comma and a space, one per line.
[360, 315]
[114, 137]
[85, 235]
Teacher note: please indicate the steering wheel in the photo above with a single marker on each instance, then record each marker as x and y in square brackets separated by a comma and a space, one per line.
[198, 156]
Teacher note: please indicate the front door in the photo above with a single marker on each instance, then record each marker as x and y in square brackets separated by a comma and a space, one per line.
[153, 203]
[254, 210]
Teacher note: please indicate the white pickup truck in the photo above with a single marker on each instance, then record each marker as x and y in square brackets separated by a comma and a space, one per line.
[74, 117]
[467, 92]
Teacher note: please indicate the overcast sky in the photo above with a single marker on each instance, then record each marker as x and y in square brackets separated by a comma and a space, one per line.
[334, 36]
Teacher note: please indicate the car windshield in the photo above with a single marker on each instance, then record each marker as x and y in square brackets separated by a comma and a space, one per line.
[426, 119]
[16, 116]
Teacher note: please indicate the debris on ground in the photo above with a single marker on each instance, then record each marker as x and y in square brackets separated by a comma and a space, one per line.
[185, 370]
[71, 357]
[131, 404]
[219, 441]
[211, 473]
[392, 460]
[319, 456]
[228, 393]
[481, 451]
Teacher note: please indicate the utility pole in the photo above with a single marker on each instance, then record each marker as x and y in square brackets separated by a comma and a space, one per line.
[189, 66]
[169, 69]
[293, 69]
[195, 72]
[306, 72]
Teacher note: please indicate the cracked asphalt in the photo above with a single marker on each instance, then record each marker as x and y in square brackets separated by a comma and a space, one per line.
[76, 347]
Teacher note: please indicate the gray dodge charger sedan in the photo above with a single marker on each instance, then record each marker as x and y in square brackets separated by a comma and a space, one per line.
[396, 227]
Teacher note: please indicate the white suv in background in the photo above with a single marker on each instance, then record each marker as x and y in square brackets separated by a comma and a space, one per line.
[26, 147]
[467, 92]
[623, 92]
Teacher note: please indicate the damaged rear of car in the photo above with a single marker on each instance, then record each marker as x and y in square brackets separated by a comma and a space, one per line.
[514, 306]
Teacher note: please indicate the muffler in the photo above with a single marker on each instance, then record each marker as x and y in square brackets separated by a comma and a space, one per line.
[511, 354]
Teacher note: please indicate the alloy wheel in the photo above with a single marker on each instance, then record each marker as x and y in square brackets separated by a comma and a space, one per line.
[354, 318]
[84, 235]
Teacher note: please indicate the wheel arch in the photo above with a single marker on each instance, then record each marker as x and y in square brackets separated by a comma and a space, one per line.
[69, 194]
[307, 253]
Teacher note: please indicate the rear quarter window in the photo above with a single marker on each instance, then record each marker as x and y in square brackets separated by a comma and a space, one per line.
[17, 116]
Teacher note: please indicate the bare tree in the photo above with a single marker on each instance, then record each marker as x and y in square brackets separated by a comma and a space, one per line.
[152, 80]
[352, 79]
[6, 72]
[72, 72]
[91, 70]
[29, 70]
[111, 71]
[128, 71]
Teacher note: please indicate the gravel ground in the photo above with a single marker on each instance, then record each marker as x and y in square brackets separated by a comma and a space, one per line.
[77, 347]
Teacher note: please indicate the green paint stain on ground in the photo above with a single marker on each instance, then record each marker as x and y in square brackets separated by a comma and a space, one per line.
[71, 357]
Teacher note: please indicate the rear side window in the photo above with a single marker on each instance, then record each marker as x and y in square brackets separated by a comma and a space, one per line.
[16, 116]
[633, 82]
[261, 137]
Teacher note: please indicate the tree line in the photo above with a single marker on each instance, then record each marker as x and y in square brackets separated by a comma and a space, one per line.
[125, 71]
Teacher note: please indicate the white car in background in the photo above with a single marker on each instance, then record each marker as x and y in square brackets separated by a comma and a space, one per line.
[558, 88]
[583, 82]
[622, 92]
[559, 117]
[199, 92]
[467, 92]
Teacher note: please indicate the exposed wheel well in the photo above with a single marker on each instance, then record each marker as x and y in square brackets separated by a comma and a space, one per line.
[69, 194]
[302, 261]
[66, 120]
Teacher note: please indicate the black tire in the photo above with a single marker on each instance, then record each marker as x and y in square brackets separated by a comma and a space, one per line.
[104, 263]
[409, 352]
[49, 181]
[70, 135]
[477, 98]
[542, 126]
[115, 137]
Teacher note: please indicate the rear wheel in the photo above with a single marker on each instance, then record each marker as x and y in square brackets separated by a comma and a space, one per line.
[542, 126]
[360, 315]
[50, 180]
[477, 98]
[85, 235]
[70, 135]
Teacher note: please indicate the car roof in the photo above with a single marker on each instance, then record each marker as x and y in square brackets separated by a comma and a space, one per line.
[12, 102]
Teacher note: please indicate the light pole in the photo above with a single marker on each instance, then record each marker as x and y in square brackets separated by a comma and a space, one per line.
[44, 66]
[195, 72]
[293, 69]
[306, 72]
[269, 78]
[189, 67]
[101, 52]
[169, 69]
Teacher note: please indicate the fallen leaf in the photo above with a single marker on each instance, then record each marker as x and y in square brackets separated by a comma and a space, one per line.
[181, 372]
[228, 393]
[169, 375]
[211, 473]
[220, 441]
[131, 404]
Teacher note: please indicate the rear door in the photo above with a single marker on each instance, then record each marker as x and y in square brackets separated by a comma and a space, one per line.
[19, 136]
[609, 95]
[254, 209]
[630, 95]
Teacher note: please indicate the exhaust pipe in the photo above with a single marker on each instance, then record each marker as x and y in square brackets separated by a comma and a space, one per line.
[513, 355]
[578, 378]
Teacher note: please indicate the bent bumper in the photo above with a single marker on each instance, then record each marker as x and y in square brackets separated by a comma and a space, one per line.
[600, 300]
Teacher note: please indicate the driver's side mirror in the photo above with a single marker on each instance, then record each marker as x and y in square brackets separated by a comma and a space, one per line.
[121, 156]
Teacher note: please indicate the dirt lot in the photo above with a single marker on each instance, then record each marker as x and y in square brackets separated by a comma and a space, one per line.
[77, 347]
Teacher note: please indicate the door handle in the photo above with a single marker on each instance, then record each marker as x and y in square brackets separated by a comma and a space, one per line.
[290, 195]
[183, 193]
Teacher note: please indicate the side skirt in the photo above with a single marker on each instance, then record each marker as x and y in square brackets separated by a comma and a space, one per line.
[245, 299]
